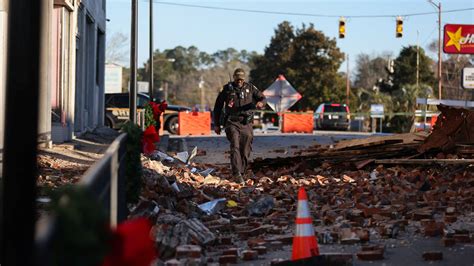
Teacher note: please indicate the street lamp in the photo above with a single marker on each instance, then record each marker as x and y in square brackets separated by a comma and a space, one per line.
[438, 7]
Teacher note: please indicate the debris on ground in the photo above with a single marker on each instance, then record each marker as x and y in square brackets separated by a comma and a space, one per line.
[374, 193]
[361, 191]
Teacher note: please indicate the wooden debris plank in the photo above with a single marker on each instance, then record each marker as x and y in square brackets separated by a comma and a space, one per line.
[380, 140]
[425, 161]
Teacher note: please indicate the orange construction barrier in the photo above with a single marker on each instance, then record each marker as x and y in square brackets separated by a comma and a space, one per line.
[194, 123]
[305, 244]
[297, 122]
[433, 121]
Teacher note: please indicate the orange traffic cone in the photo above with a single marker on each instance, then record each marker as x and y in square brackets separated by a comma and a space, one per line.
[305, 244]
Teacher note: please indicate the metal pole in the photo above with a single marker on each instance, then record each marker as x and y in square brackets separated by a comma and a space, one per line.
[133, 63]
[151, 83]
[417, 60]
[348, 85]
[440, 80]
[19, 168]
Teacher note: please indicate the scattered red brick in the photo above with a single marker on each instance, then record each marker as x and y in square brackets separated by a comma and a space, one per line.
[433, 255]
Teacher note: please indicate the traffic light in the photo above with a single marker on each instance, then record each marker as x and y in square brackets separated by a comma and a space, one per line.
[399, 28]
[342, 27]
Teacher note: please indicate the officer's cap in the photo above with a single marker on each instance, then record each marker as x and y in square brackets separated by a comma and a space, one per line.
[239, 73]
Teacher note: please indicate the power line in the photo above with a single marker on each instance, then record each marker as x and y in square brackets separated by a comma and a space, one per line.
[306, 14]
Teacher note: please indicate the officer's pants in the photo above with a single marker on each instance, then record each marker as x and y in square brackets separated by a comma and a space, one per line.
[240, 137]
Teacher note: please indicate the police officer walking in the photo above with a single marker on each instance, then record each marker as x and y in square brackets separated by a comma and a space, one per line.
[234, 111]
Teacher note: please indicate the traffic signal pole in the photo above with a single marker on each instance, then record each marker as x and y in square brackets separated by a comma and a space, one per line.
[348, 83]
[18, 214]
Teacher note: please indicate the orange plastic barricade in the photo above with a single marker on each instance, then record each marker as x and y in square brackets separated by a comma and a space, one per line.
[194, 123]
[433, 121]
[297, 122]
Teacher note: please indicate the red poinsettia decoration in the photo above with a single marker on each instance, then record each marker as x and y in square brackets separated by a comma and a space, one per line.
[132, 245]
[158, 109]
[150, 136]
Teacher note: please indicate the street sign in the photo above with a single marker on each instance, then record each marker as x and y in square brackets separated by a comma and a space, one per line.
[376, 111]
[468, 78]
[458, 39]
[281, 95]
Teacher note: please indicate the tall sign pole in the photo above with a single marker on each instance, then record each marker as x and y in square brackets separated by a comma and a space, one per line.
[151, 85]
[440, 78]
[133, 63]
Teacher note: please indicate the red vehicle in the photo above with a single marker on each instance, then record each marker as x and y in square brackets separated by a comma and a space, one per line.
[332, 116]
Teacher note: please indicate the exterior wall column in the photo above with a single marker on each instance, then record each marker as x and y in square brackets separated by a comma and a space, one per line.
[44, 119]
[3, 64]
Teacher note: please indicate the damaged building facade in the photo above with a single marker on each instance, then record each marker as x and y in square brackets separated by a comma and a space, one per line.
[72, 89]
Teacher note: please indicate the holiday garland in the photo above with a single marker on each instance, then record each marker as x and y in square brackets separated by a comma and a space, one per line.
[153, 113]
[83, 237]
[133, 169]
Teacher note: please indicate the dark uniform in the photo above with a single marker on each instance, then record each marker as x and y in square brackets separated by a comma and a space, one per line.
[237, 119]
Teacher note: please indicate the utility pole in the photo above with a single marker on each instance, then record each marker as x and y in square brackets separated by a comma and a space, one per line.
[417, 60]
[18, 195]
[151, 85]
[440, 80]
[133, 63]
[201, 87]
[348, 83]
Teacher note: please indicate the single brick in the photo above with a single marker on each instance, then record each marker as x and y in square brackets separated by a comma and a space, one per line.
[172, 262]
[231, 251]
[225, 240]
[188, 251]
[260, 249]
[462, 238]
[370, 255]
[228, 259]
[448, 242]
[433, 255]
[249, 255]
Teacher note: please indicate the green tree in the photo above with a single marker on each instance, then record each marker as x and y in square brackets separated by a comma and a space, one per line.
[188, 67]
[405, 89]
[370, 70]
[452, 71]
[308, 59]
[162, 69]
[405, 68]
[276, 57]
[314, 68]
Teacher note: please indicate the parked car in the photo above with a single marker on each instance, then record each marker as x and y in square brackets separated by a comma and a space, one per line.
[332, 116]
[117, 110]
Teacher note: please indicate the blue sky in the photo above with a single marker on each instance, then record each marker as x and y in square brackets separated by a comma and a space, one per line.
[213, 30]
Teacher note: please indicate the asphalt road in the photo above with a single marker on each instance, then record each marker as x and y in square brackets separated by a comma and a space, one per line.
[265, 145]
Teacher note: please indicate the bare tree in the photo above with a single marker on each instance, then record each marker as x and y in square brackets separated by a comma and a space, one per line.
[116, 50]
